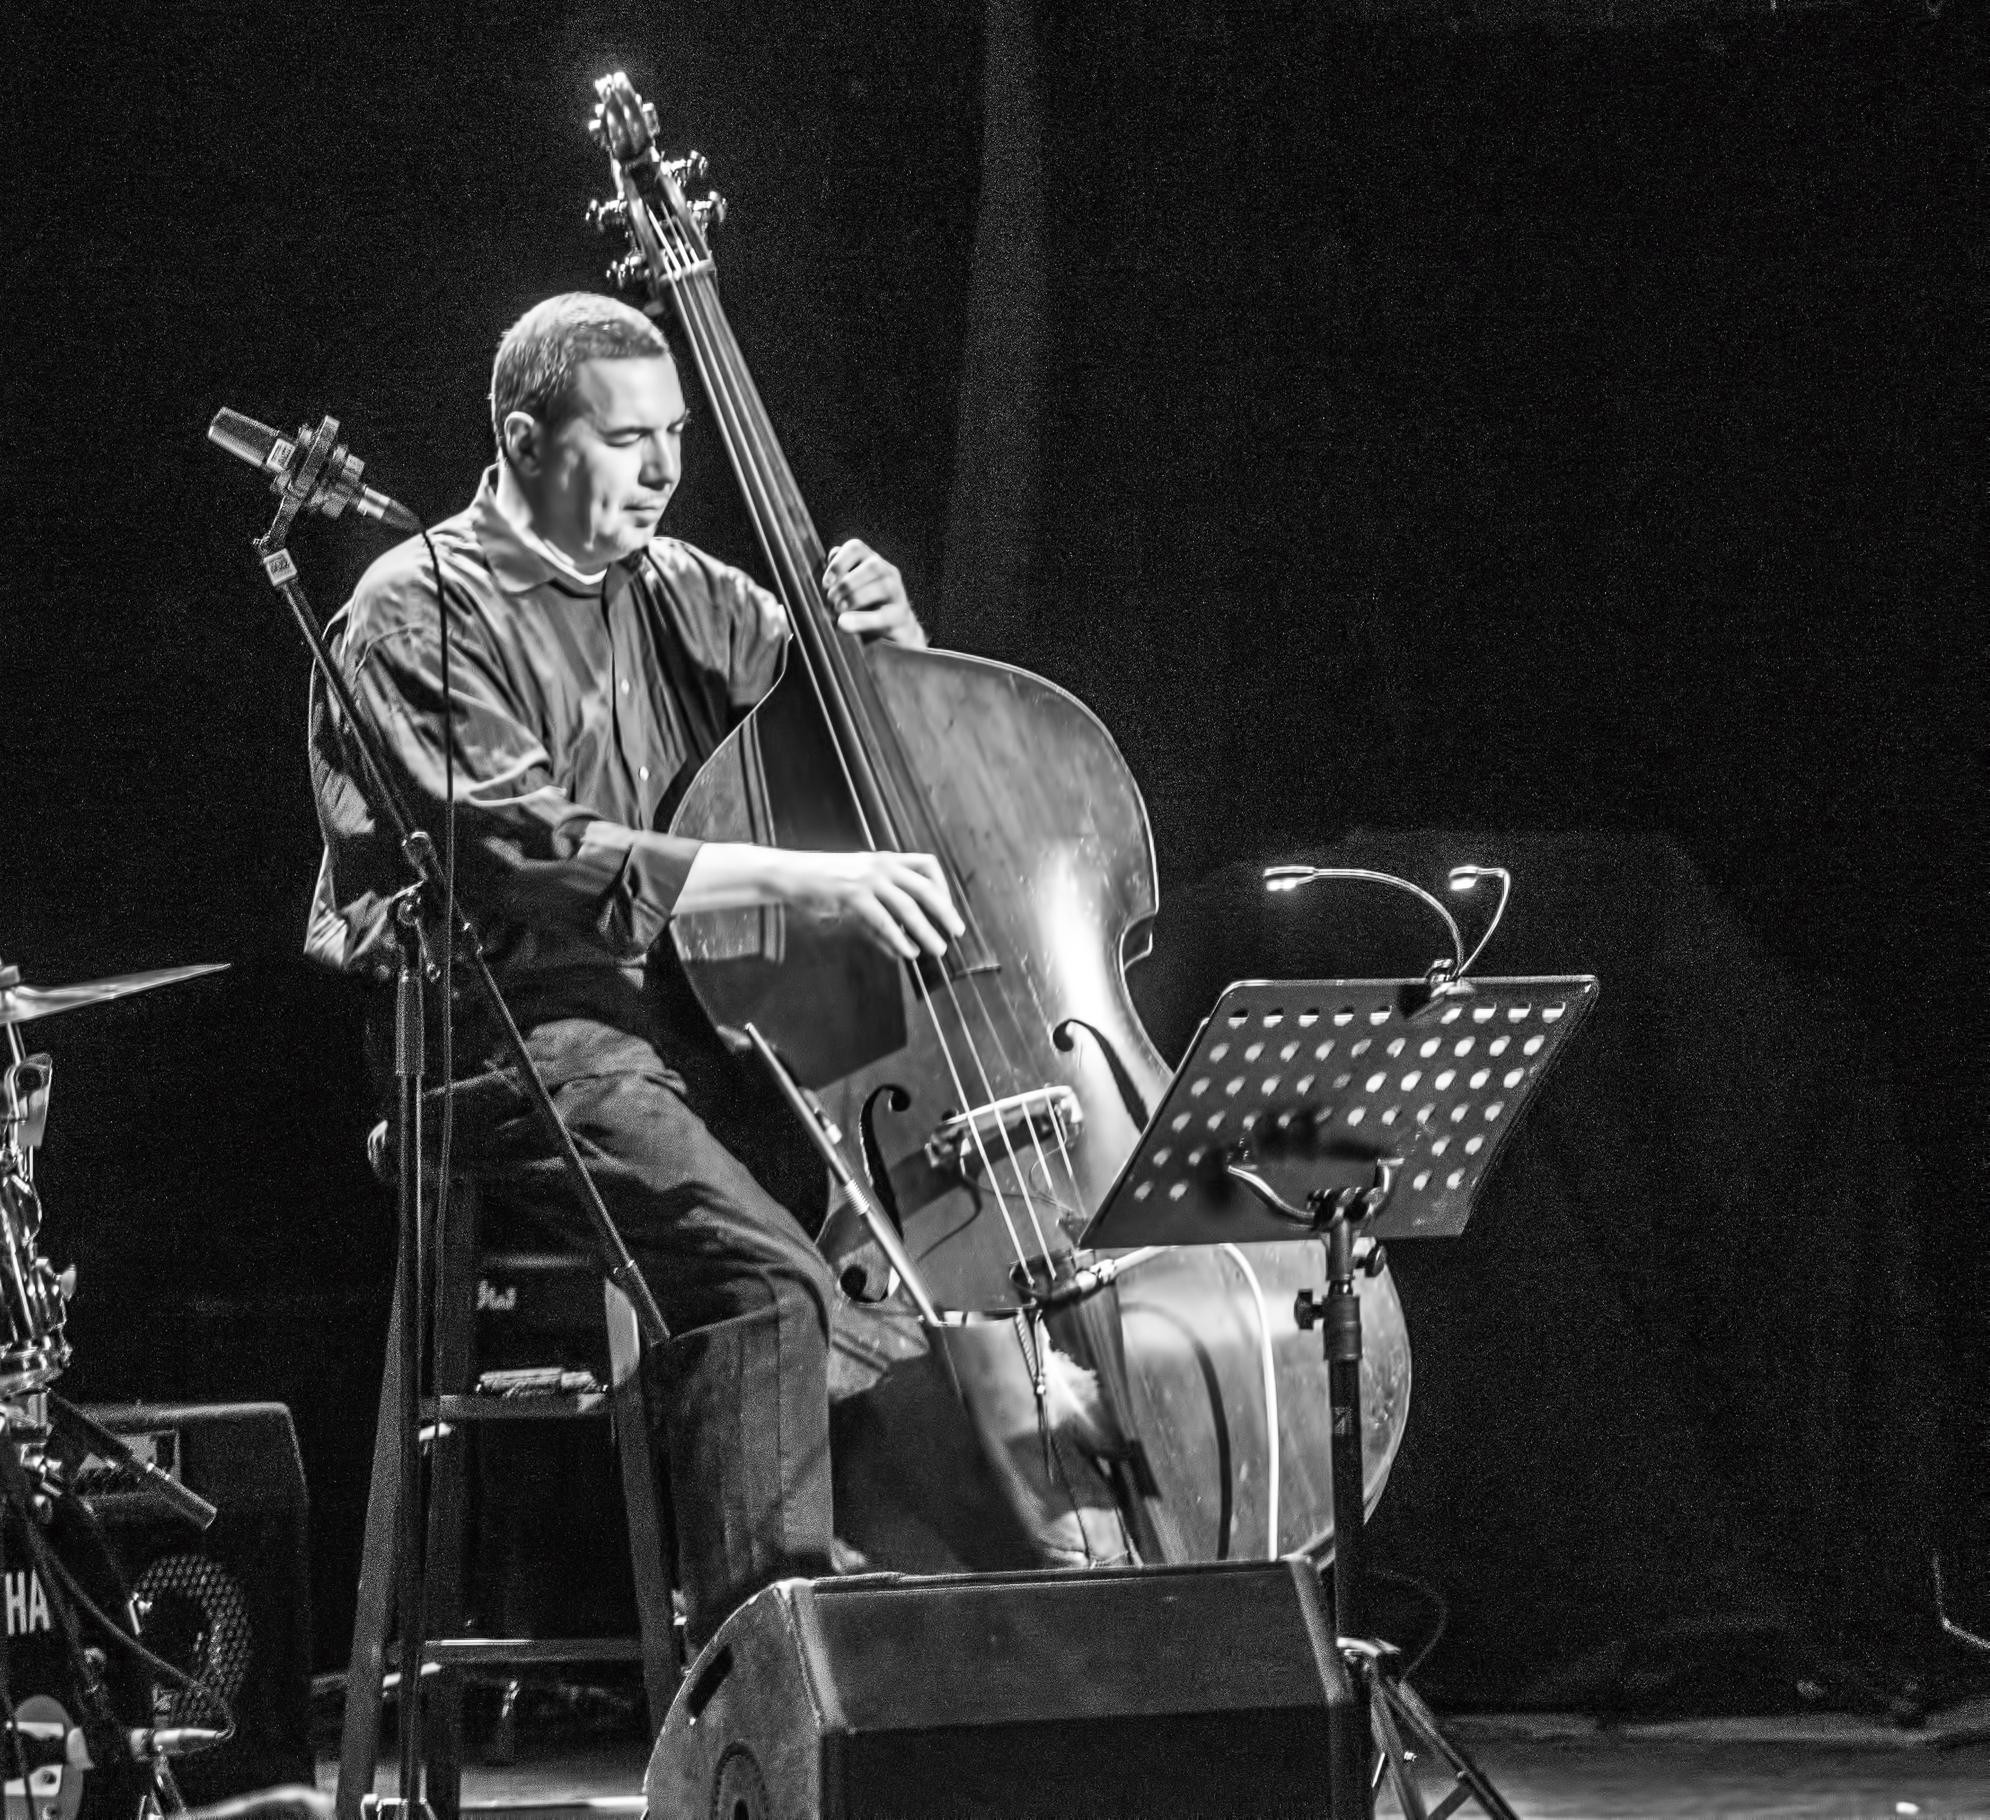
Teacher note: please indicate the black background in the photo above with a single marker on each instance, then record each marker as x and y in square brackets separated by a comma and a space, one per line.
[1525, 431]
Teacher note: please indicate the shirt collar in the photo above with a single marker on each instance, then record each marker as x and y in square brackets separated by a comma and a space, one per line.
[517, 566]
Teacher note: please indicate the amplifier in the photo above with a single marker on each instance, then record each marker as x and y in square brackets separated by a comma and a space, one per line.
[230, 1605]
[1157, 1693]
[540, 1308]
[550, 1554]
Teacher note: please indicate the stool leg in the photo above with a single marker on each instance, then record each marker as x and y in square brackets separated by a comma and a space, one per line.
[649, 1557]
[455, 1342]
[359, 1747]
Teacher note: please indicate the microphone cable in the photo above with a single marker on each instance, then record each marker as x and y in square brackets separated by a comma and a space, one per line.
[447, 1134]
[1268, 1372]
[56, 1572]
[8, 1717]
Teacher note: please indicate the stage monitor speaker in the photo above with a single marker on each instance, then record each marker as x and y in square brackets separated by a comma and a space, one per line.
[1160, 1693]
[230, 1605]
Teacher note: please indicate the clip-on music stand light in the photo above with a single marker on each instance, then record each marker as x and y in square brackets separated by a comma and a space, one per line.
[1321, 1109]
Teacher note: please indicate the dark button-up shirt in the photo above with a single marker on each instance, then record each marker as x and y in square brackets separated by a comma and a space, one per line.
[578, 716]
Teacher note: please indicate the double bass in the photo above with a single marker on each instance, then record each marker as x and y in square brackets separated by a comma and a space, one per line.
[994, 1094]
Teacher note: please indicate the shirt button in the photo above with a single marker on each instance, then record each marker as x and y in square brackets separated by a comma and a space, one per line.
[643, 771]
[625, 686]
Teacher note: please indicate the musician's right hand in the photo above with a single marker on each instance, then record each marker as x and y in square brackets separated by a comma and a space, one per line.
[898, 901]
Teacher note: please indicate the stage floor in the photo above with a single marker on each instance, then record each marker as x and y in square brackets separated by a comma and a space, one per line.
[1547, 1767]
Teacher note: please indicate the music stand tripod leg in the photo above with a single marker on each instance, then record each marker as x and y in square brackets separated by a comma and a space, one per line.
[1402, 1707]
[1395, 1760]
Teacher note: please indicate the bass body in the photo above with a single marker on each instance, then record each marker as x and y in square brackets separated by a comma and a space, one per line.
[994, 1093]
[1052, 850]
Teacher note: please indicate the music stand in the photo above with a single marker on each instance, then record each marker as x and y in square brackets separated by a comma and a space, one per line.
[1323, 1109]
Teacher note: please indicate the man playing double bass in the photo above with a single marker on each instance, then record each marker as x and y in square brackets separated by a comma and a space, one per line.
[594, 666]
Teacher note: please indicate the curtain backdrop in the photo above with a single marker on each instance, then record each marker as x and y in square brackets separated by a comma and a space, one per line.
[1678, 1391]
[1524, 432]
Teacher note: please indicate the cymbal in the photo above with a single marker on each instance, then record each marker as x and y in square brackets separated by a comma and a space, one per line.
[23, 1004]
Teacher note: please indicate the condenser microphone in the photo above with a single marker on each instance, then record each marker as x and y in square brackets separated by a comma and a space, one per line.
[172, 1741]
[312, 468]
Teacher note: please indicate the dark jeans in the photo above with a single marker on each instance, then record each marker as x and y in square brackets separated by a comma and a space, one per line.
[744, 1293]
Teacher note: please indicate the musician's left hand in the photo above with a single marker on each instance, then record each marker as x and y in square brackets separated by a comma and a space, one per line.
[869, 597]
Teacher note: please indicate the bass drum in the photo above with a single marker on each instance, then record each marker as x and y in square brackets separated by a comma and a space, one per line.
[945, 1462]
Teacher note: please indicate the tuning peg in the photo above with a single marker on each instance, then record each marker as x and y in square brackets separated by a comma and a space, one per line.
[608, 217]
[597, 127]
[709, 212]
[628, 272]
[688, 169]
[649, 119]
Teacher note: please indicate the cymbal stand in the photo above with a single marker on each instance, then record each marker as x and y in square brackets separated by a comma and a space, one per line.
[420, 903]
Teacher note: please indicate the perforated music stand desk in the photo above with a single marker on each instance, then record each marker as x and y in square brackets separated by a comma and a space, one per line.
[1308, 1109]
[1311, 1083]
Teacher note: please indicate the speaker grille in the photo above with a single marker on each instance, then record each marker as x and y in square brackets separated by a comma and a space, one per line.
[196, 1615]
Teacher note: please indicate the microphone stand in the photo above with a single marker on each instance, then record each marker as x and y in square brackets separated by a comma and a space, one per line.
[428, 895]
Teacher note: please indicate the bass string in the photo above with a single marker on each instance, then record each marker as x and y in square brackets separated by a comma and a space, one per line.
[992, 1097]
[765, 477]
[1007, 1000]
[781, 486]
[851, 678]
[988, 1172]
[868, 720]
[800, 545]
[1014, 1077]
[778, 485]
[784, 495]
[795, 552]
[841, 657]
[707, 346]
[790, 548]
[1030, 1123]
[1061, 1137]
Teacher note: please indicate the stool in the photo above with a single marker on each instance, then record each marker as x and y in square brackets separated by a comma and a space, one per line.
[447, 1416]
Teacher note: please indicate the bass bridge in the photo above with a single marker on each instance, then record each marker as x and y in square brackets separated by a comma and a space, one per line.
[1003, 1125]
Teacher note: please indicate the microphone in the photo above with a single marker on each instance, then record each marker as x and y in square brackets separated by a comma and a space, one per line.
[171, 1741]
[70, 1422]
[1088, 1279]
[314, 470]
[80, 1748]
[1081, 1285]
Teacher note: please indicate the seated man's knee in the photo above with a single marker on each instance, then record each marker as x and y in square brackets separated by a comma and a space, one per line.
[761, 1264]
[803, 1278]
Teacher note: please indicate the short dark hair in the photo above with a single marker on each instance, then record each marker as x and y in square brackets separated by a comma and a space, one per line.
[542, 352]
